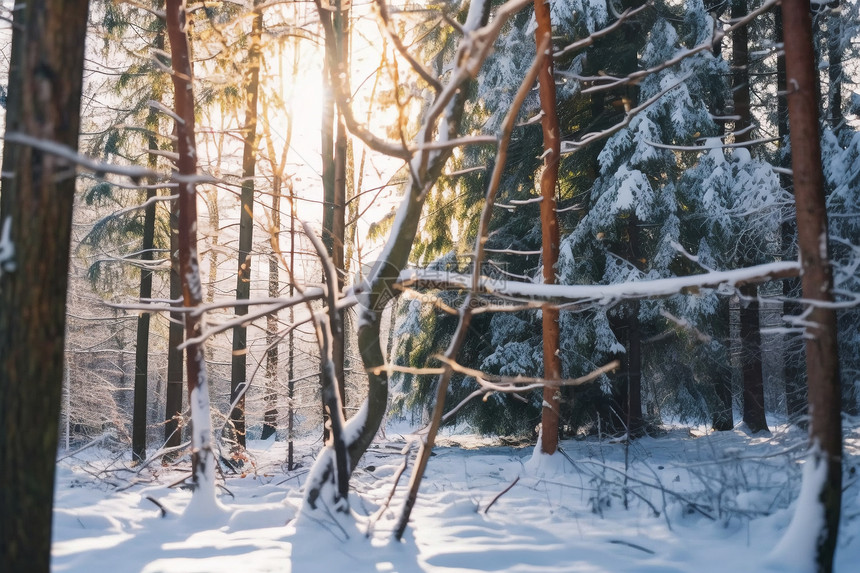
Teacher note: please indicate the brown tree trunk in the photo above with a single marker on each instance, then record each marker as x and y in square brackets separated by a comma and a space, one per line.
[202, 456]
[753, 384]
[834, 68]
[334, 147]
[36, 200]
[822, 362]
[175, 336]
[238, 372]
[793, 369]
[722, 419]
[549, 229]
[141, 360]
[634, 374]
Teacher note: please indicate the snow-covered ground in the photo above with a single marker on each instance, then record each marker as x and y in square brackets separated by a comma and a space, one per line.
[689, 501]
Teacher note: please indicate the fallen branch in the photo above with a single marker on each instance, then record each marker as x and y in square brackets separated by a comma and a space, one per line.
[501, 493]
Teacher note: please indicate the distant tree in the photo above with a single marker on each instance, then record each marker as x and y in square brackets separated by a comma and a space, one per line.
[36, 198]
[239, 373]
[751, 359]
[141, 361]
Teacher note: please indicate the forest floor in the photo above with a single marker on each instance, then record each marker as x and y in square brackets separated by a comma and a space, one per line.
[686, 500]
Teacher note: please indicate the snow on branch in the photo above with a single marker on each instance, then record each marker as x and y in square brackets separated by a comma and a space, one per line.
[700, 148]
[607, 82]
[101, 168]
[571, 146]
[589, 40]
[602, 294]
[69, 154]
[515, 384]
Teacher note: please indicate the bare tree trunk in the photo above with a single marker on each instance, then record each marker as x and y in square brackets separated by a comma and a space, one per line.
[753, 384]
[793, 369]
[822, 362]
[723, 418]
[215, 225]
[175, 335]
[549, 229]
[291, 350]
[334, 147]
[202, 456]
[238, 372]
[270, 416]
[753, 380]
[633, 413]
[36, 202]
[141, 359]
[834, 68]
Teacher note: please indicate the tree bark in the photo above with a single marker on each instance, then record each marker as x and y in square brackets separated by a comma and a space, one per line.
[333, 149]
[722, 419]
[549, 229]
[753, 380]
[792, 350]
[270, 416]
[141, 359]
[175, 336]
[202, 456]
[238, 372]
[751, 361]
[36, 200]
[822, 361]
[834, 68]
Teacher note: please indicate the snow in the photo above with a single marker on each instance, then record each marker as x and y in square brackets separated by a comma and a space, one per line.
[7, 247]
[795, 552]
[718, 502]
[606, 293]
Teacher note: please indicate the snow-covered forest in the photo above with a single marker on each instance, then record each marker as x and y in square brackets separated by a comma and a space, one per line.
[405, 286]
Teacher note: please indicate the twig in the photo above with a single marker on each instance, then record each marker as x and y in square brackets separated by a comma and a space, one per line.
[385, 505]
[96, 441]
[633, 545]
[501, 493]
[159, 504]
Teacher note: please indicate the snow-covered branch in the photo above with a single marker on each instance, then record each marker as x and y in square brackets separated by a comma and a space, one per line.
[589, 40]
[602, 294]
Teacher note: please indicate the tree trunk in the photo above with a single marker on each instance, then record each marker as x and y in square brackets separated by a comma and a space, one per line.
[334, 147]
[793, 369]
[822, 362]
[722, 419]
[753, 385]
[238, 372]
[141, 359]
[270, 416]
[549, 229]
[36, 201]
[175, 335]
[291, 351]
[633, 413]
[202, 456]
[834, 68]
